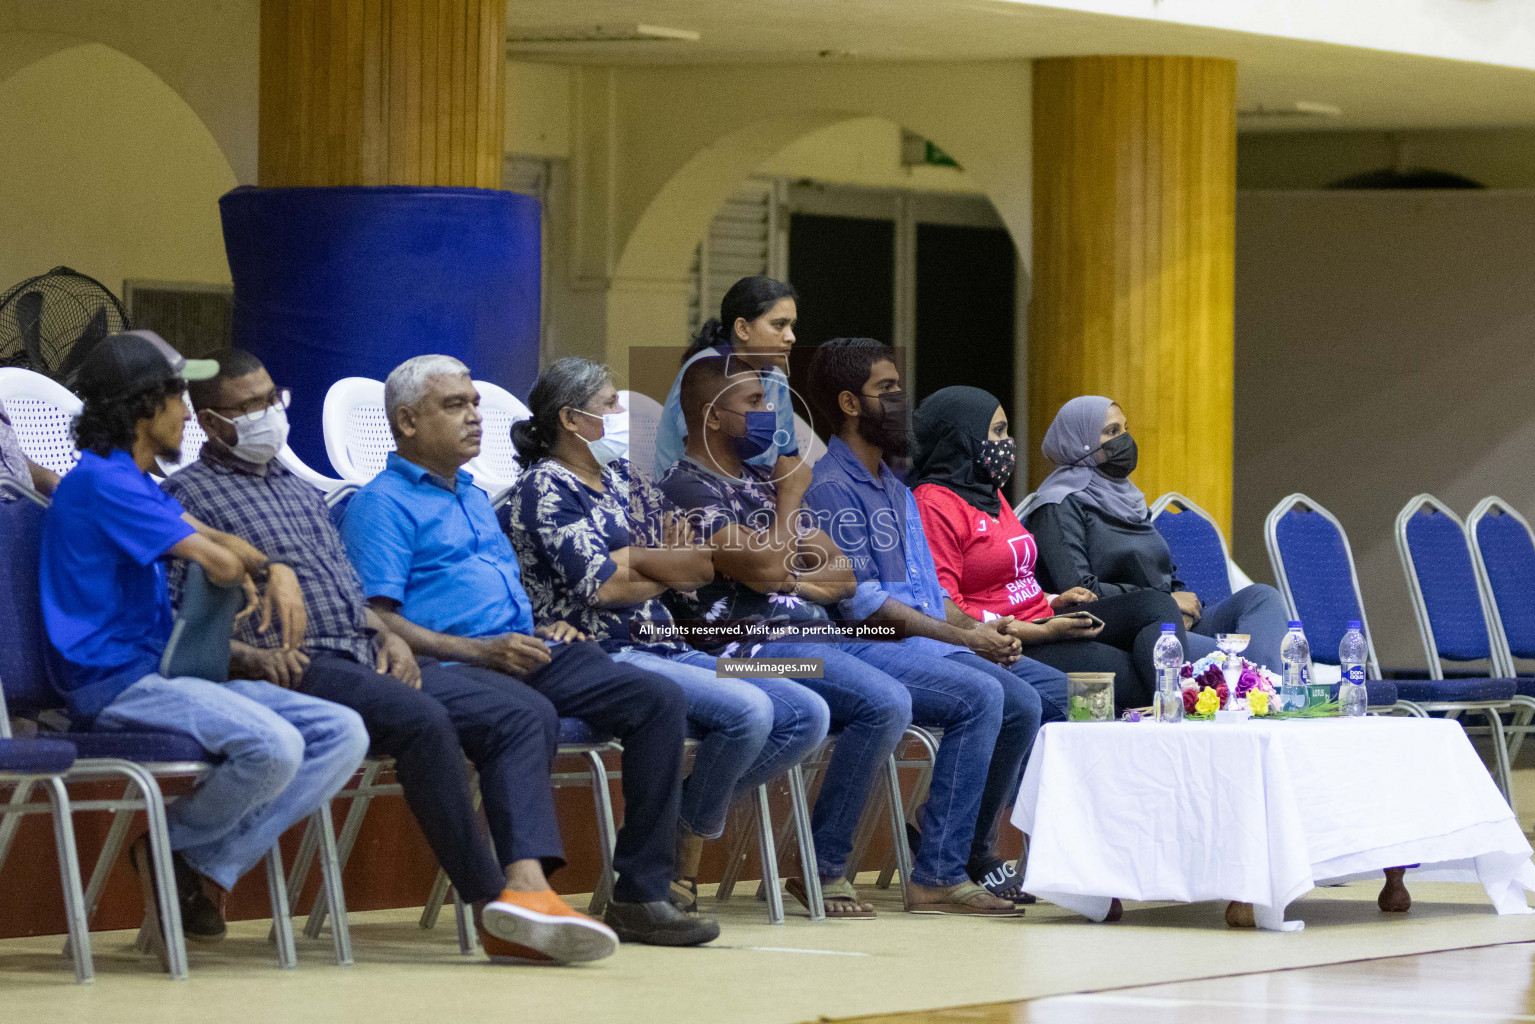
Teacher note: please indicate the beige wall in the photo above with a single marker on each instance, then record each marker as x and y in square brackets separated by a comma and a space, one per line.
[105, 169]
[1383, 350]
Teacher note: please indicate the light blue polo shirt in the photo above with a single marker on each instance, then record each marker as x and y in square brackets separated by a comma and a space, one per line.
[101, 578]
[436, 550]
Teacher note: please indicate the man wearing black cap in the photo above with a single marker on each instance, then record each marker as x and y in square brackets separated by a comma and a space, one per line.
[277, 755]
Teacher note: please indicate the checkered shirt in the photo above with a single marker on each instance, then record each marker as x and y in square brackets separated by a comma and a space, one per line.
[285, 519]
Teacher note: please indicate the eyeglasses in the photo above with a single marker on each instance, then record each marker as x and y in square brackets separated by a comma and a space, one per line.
[257, 408]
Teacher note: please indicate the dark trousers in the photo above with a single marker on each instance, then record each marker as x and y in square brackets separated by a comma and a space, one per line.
[648, 714]
[506, 729]
[1133, 623]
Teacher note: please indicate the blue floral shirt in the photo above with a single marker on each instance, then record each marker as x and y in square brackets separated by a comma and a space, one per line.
[713, 502]
[563, 532]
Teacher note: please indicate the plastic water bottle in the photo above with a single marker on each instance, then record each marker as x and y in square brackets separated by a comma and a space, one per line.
[1295, 653]
[1168, 658]
[1352, 696]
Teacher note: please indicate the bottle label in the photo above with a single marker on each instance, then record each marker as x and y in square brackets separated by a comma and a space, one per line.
[1355, 675]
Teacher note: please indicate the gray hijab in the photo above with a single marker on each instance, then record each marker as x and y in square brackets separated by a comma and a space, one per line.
[1071, 443]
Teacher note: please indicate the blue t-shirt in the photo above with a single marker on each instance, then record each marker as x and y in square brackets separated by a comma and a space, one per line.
[438, 552]
[672, 431]
[105, 603]
[876, 524]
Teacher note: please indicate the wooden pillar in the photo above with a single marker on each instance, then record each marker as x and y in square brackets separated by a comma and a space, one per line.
[381, 92]
[1134, 240]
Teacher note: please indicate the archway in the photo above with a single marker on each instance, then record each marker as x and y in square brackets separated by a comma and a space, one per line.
[106, 168]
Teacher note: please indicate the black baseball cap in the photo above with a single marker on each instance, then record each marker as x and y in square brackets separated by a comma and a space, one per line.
[134, 361]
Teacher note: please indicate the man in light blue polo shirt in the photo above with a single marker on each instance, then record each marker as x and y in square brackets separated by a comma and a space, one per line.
[964, 675]
[278, 755]
[436, 567]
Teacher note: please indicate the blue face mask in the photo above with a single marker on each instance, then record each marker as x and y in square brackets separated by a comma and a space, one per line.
[761, 428]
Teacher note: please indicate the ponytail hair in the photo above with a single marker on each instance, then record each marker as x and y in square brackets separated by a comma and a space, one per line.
[747, 299]
[572, 383]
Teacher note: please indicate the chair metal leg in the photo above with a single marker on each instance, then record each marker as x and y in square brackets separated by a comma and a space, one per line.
[1500, 757]
[898, 830]
[809, 870]
[918, 794]
[303, 860]
[9, 823]
[335, 898]
[769, 857]
[1524, 711]
[282, 918]
[107, 859]
[343, 846]
[164, 868]
[735, 860]
[467, 940]
[607, 831]
[434, 900]
[69, 876]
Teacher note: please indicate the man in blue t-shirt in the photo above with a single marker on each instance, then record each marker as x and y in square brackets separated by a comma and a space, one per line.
[277, 755]
[437, 569]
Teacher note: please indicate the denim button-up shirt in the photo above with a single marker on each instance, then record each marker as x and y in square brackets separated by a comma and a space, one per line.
[438, 551]
[875, 522]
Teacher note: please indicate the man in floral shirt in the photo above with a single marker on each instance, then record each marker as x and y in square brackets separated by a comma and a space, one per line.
[784, 572]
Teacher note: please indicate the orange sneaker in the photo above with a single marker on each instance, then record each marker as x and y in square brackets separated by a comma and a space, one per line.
[502, 952]
[539, 925]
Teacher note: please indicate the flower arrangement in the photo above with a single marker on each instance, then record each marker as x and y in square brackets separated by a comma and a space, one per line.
[1205, 690]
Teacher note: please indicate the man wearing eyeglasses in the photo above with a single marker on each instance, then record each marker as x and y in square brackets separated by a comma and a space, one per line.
[425, 715]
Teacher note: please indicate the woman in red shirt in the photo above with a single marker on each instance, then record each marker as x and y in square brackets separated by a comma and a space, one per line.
[985, 556]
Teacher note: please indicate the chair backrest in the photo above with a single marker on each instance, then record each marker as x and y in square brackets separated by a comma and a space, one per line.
[1198, 549]
[295, 465]
[1450, 606]
[357, 436]
[42, 412]
[644, 420]
[811, 447]
[192, 438]
[1503, 549]
[496, 467]
[205, 622]
[28, 663]
[1314, 567]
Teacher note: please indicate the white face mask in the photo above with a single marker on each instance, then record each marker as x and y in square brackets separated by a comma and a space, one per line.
[614, 442]
[259, 436]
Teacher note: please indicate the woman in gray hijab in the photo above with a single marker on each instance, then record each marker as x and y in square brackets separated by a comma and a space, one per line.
[1094, 531]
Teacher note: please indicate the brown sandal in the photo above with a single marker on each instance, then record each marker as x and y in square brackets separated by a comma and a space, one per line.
[839, 899]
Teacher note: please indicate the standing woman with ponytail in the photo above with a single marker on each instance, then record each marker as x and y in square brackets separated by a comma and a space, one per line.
[756, 323]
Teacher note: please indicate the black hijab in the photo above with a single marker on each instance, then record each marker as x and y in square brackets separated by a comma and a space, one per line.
[950, 425]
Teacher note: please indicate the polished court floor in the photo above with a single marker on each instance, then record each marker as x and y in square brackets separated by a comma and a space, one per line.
[1160, 963]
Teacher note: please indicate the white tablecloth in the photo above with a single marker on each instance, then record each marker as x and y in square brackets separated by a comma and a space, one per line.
[1261, 812]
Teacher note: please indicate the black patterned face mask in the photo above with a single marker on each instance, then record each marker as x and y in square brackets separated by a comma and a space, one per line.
[998, 458]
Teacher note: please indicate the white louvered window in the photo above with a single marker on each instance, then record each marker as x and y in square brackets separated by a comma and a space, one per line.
[742, 242]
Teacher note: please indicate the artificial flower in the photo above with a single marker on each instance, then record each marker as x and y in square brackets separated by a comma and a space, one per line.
[1187, 671]
[1190, 698]
[1222, 694]
[1258, 702]
[1247, 682]
[1209, 702]
[1211, 677]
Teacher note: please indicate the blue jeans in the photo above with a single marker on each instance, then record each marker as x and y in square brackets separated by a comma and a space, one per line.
[869, 710]
[283, 755]
[752, 730]
[1257, 610]
[989, 716]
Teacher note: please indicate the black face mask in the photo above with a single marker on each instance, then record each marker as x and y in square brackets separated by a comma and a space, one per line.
[887, 429]
[1119, 456]
[998, 458]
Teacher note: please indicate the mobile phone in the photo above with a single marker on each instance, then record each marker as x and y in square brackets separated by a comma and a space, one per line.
[1089, 616]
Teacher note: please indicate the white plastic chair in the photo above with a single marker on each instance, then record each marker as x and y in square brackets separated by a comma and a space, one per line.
[357, 436]
[192, 437]
[811, 447]
[495, 468]
[644, 421]
[42, 412]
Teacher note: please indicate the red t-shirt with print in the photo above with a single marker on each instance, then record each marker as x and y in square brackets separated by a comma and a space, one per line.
[985, 562]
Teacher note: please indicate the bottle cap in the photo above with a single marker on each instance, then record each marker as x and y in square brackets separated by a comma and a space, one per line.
[1353, 624]
[1168, 627]
[1295, 624]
